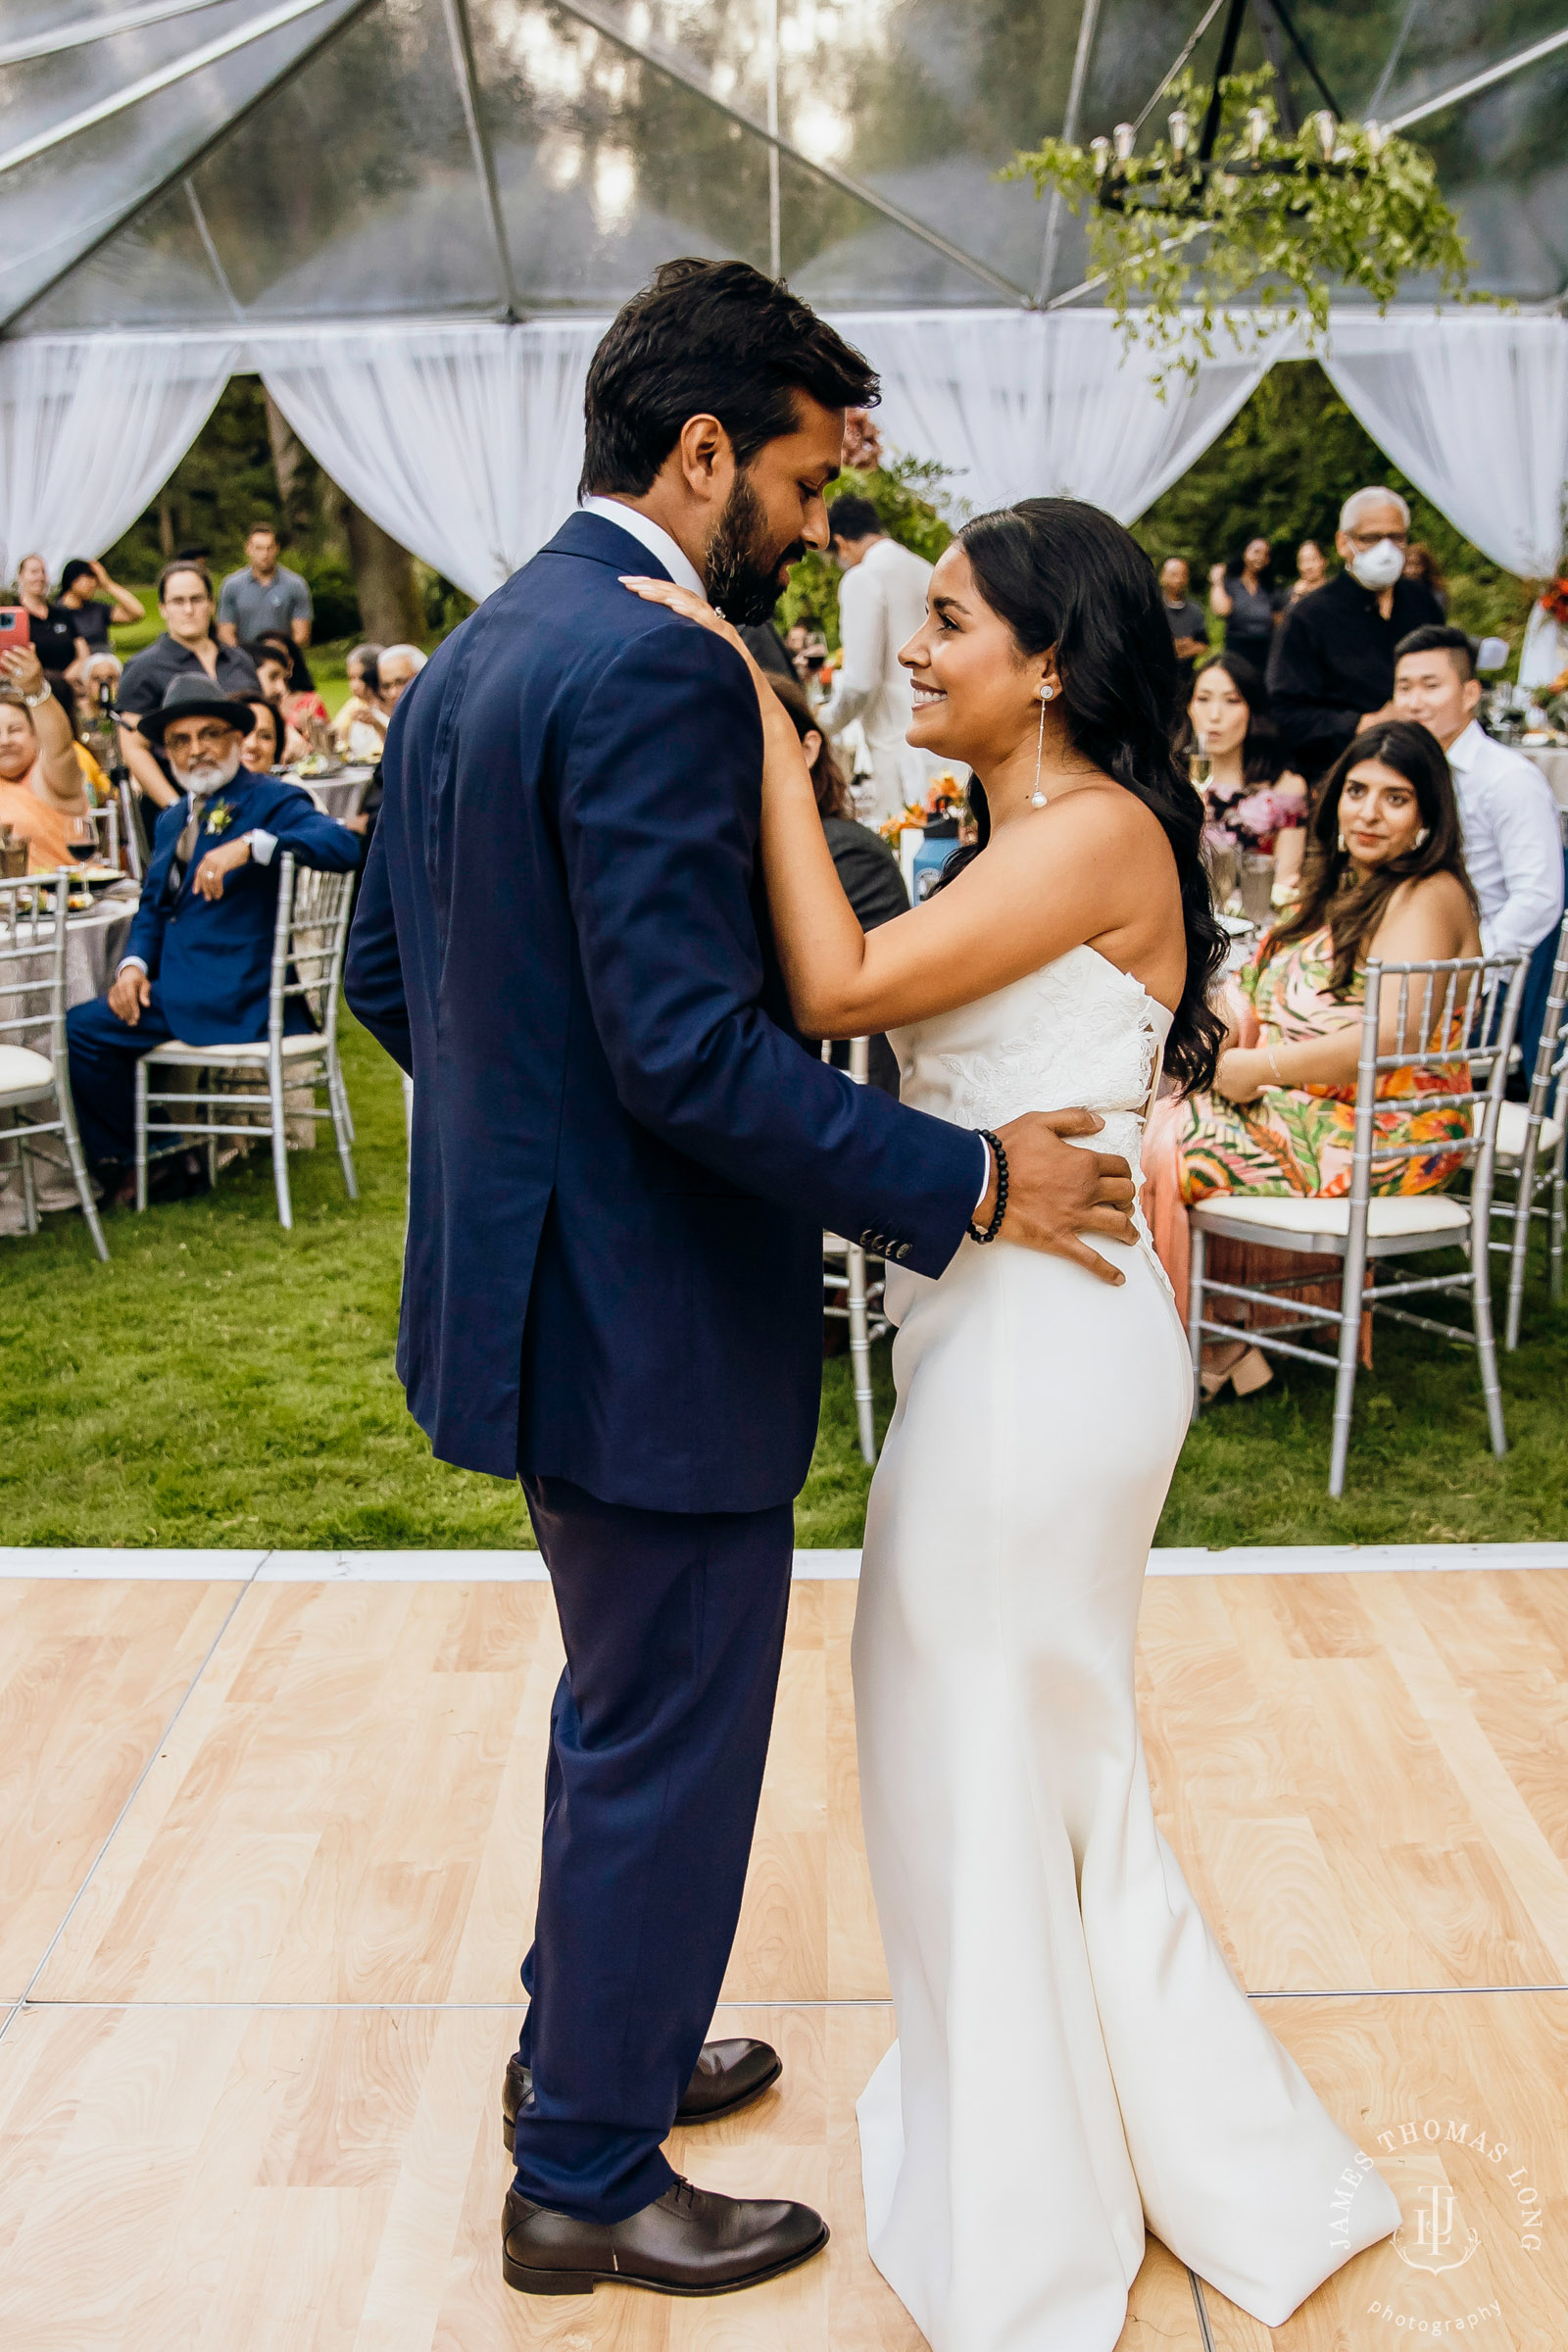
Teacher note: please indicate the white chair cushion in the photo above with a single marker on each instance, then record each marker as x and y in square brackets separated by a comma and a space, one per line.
[293, 1049]
[1511, 1127]
[1388, 1219]
[23, 1074]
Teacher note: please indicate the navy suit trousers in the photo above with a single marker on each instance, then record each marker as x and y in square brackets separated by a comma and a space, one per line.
[674, 1625]
[104, 1054]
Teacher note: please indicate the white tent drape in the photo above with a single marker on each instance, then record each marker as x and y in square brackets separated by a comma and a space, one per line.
[1022, 405]
[1472, 406]
[464, 442]
[90, 428]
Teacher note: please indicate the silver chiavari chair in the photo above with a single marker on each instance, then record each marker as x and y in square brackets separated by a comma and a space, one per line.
[854, 1295]
[1468, 1011]
[34, 1063]
[1530, 1152]
[308, 947]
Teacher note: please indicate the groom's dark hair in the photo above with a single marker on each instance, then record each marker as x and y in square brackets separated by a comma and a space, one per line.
[715, 339]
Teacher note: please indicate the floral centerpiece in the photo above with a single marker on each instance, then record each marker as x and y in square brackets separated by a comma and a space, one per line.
[1253, 816]
[945, 798]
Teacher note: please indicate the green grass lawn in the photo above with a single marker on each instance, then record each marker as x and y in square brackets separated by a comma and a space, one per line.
[221, 1382]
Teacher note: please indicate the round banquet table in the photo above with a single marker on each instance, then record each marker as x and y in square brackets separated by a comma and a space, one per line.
[337, 796]
[95, 941]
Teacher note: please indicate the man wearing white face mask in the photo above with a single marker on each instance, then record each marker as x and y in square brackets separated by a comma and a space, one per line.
[198, 961]
[1331, 672]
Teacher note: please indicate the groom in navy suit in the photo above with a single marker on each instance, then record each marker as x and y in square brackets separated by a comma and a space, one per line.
[623, 1161]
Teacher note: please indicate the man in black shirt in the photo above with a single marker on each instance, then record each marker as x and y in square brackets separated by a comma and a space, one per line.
[1331, 672]
[186, 649]
[1189, 632]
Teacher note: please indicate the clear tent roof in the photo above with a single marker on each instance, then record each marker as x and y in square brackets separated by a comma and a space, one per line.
[182, 162]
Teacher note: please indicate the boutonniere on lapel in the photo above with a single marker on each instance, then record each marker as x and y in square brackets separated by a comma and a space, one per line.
[219, 816]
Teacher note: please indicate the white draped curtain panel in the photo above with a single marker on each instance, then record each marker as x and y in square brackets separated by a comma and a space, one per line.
[1020, 405]
[464, 441]
[91, 429]
[1472, 406]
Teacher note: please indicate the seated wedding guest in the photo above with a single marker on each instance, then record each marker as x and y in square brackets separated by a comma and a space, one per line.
[186, 649]
[266, 595]
[1189, 635]
[1311, 569]
[79, 583]
[1332, 668]
[396, 670]
[1507, 810]
[867, 869]
[1384, 877]
[300, 700]
[1243, 596]
[42, 786]
[273, 673]
[1421, 565]
[262, 748]
[55, 634]
[358, 730]
[1252, 791]
[198, 960]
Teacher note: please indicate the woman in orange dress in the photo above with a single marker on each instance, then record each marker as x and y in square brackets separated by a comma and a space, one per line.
[1383, 878]
[41, 782]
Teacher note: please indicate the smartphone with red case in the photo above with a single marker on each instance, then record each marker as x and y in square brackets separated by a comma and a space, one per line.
[15, 626]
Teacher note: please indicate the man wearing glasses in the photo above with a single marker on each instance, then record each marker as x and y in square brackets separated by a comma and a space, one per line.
[187, 649]
[1331, 671]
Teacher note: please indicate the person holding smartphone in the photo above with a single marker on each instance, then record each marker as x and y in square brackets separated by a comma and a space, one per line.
[41, 783]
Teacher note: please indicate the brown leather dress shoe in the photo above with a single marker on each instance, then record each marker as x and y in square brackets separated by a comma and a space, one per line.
[689, 2241]
[729, 2074]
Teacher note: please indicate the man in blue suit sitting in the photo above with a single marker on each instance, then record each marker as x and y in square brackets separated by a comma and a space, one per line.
[198, 961]
[623, 1161]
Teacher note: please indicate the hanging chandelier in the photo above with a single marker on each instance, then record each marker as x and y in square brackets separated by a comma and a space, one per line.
[1239, 216]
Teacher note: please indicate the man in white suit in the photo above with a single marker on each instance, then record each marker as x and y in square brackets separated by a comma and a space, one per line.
[881, 604]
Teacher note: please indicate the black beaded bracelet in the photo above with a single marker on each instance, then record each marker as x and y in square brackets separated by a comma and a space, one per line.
[1000, 1211]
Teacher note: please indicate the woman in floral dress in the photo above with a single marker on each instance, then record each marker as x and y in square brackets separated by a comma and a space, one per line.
[1384, 877]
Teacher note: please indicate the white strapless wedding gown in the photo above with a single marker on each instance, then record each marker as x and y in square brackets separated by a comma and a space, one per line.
[1075, 2057]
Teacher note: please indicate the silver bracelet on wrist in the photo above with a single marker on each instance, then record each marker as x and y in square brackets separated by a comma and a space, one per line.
[36, 701]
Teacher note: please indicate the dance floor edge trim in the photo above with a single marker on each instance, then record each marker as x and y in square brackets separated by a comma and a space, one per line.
[132, 1563]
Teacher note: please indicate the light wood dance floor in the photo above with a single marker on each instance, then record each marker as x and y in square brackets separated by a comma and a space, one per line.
[266, 1856]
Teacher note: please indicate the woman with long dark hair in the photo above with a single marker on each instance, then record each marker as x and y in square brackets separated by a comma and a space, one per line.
[1383, 876]
[1074, 2052]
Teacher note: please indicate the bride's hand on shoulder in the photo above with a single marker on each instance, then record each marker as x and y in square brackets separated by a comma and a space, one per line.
[691, 607]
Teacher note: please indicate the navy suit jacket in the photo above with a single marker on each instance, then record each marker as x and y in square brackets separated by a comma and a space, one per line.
[213, 958]
[622, 1156]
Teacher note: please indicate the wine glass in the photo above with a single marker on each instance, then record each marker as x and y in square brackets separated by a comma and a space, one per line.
[81, 838]
[1200, 766]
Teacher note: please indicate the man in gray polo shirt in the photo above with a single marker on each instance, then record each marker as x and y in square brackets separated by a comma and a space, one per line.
[265, 596]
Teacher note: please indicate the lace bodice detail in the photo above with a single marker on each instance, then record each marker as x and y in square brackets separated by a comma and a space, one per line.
[1078, 1031]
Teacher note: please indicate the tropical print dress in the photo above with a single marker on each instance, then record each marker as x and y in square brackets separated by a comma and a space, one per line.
[1300, 1139]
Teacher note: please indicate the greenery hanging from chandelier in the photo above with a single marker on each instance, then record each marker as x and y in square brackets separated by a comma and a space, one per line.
[1181, 235]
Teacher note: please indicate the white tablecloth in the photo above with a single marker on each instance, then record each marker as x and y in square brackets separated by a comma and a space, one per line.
[340, 795]
[1553, 765]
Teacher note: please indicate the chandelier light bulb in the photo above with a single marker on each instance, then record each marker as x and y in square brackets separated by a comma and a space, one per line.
[1256, 126]
[1124, 135]
[1328, 131]
[1180, 130]
[1099, 149]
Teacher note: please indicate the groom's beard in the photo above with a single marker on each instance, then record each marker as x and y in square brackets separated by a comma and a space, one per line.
[741, 568]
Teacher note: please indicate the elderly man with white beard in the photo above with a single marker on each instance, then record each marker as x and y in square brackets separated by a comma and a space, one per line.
[198, 961]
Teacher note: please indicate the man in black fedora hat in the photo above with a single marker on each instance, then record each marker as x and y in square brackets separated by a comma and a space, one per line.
[198, 960]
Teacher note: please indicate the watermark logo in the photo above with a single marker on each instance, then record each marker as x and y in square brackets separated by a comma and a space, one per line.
[1470, 2221]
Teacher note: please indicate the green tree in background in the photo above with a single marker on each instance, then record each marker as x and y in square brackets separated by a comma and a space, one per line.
[908, 494]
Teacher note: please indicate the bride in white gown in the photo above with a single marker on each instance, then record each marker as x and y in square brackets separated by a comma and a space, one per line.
[1075, 2059]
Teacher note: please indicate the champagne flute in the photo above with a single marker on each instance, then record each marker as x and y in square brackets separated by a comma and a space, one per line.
[1200, 766]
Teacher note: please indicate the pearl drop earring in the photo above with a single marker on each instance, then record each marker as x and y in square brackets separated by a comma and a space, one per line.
[1037, 799]
[1422, 837]
[1341, 845]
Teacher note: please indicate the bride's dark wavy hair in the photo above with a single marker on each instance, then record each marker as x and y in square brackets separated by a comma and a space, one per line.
[1063, 574]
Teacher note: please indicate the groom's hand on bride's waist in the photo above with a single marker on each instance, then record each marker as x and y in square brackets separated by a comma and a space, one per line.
[1059, 1192]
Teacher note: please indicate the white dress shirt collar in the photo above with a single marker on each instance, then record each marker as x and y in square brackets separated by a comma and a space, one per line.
[657, 541]
[1468, 746]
